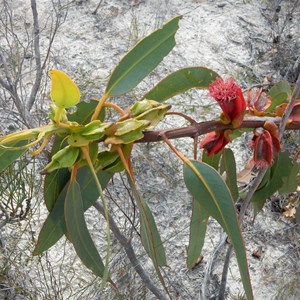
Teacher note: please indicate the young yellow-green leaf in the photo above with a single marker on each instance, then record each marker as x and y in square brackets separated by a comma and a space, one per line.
[64, 158]
[181, 81]
[78, 232]
[64, 92]
[54, 227]
[142, 59]
[228, 166]
[198, 228]
[208, 188]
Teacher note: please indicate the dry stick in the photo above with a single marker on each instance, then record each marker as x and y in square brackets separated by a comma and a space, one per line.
[37, 54]
[209, 266]
[255, 184]
[126, 244]
[9, 85]
[96, 9]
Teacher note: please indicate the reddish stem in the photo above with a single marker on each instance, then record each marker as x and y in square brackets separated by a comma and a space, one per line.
[205, 127]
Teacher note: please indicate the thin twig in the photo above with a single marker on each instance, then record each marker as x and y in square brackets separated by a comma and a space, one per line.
[209, 267]
[289, 107]
[131, 255]
[98, 6]
[37, 55]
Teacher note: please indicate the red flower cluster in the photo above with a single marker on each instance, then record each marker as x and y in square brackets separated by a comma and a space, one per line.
[231, 100]
[265, 144]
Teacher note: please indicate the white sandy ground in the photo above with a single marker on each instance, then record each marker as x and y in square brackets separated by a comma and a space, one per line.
[231, 37]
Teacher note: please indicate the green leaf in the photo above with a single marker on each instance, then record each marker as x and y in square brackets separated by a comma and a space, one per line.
[78, 232]
[273, 181]
[279, 94]
[290, 182]
[55, 181]
[212, 160]
[9, 156]
[54, 227]
[142, 59]
[64, 158]
[297, 216]
[198, 228]
[238, 132]
[209, 189]
[84, 112]
[228, 166]
[149, 234]
[181, 81]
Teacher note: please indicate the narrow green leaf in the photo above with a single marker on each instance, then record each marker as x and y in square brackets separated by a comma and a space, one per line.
[142, 59]
[273, 180]
[209, 189]
[54, 227]
[84, 112]
[228, 166]
[297, 216]
[181, 81]
[198, 228]
[55, 181]
[290, 182]
[199, 218]
[212, 160]
[78, 232]
[262, 193]
[9, 156]
[149, 235]
[279, 94]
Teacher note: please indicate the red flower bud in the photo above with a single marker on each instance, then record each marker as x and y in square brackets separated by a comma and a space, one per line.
[265, 144]
[231, 100]
[259, 103]
[295, 114]
[215, 141]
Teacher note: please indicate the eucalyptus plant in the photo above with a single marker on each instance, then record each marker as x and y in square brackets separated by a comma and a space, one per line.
[79, 169]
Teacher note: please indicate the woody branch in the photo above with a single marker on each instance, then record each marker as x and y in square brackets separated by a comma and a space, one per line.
[205, 127]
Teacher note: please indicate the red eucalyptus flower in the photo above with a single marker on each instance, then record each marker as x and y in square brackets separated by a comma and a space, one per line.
[265, 144]
[215, 141]
[231, 100]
